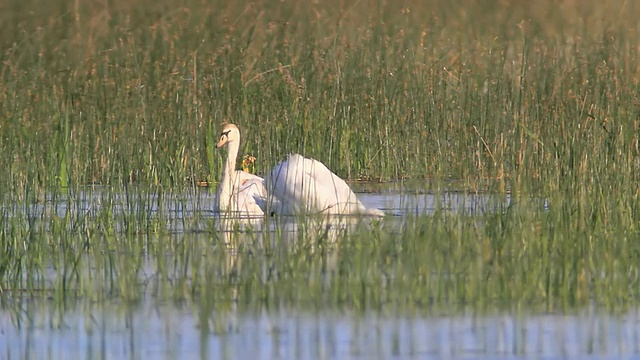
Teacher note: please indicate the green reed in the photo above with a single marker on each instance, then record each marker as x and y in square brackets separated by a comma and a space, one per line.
[378, 90]
[517, 256]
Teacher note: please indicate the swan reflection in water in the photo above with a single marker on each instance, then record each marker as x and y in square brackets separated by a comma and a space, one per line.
[265, 243]
[287, 230]
[259, 246]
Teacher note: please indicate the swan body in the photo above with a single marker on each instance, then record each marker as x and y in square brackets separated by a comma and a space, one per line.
[307, 186]
[239, 192]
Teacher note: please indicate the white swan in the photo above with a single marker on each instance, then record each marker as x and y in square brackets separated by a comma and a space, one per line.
[303, 185]
[239, 190]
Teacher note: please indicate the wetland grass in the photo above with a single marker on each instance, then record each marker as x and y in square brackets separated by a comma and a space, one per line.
[109, 112]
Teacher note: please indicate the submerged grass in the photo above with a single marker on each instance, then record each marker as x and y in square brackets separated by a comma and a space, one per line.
[109, 113]
[519, 258]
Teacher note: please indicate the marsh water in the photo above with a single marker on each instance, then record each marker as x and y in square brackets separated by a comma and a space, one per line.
[228, 306]
[162, 331]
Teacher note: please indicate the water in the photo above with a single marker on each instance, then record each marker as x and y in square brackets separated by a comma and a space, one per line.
[193, 211]
[170, 331]
[160, 327]
[200, 202]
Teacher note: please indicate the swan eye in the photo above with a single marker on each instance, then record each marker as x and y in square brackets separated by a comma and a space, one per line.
[224, 134]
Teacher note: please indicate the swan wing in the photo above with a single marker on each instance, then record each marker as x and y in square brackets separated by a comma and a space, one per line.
[251, 193]
[336, 194]
[243, 176]
[307, 185]
[246, 194]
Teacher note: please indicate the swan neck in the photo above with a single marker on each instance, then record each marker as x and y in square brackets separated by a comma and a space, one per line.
[232, 156]
[226, 186]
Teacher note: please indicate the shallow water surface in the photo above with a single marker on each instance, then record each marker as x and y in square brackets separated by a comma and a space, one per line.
[169, 331]
[200, 201]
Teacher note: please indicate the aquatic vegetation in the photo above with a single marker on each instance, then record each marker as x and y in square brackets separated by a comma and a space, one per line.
[108, 117]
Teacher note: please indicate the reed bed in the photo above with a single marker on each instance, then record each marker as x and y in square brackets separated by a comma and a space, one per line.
[135, 92]
[122, 101]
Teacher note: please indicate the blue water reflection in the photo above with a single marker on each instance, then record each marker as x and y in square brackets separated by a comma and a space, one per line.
[170, 331]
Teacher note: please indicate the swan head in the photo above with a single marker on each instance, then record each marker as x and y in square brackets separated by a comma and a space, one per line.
[230, 133]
